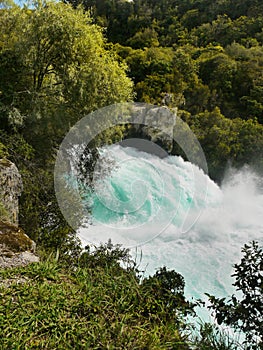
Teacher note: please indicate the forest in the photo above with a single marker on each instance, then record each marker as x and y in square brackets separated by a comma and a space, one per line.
[61, 60]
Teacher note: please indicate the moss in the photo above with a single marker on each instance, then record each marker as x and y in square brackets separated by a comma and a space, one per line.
[14, 238]
[5, 163]
[3, 150]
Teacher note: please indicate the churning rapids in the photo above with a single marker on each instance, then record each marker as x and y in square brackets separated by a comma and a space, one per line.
[157, 207]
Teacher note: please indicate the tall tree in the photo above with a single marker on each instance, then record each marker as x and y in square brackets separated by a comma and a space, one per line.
[56, 67]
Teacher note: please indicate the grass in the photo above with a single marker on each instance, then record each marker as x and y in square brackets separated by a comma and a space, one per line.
[81, 309]
[96, 304]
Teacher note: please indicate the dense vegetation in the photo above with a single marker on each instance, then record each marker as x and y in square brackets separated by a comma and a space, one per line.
[207, 55]
[96, 305]
[102, 301]
[58, 62]
[55, 66]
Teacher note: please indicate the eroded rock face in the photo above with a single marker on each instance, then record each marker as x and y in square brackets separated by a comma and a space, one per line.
[16, 248]
[157, 124]
[10, 190]
[163, 120]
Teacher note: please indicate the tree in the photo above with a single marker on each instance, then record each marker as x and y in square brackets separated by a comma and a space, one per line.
[147, 37]
[55, 66]
[108, 256]
[218, 71]
[235, 141]
[61, 66]
[167, 287]
[246, 313]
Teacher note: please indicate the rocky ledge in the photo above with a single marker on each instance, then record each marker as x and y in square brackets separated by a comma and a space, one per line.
[16, 248]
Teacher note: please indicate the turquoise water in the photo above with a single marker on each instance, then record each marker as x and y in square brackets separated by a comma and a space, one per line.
[175, 215]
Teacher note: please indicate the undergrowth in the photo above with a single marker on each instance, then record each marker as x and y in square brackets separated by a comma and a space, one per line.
[96, 304]
[82, 309]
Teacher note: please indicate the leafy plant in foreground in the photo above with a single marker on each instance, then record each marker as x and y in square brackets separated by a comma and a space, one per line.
[245, 314]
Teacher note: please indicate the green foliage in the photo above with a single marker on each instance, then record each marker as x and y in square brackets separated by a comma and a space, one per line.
[245, 313]
[168, 286]
[225, 141]
[101, 302]
[59, 237]
[62, 70]
[3, 151]
[55, 66]
[200, 64]
[86, 307]
[160, 70]
[106, 256]
[146, 38]
[46, 270]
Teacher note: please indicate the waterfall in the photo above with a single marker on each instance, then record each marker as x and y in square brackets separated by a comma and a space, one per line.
[157, 206]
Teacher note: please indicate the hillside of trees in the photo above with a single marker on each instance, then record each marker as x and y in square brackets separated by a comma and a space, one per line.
[207, 55]
[59, 62]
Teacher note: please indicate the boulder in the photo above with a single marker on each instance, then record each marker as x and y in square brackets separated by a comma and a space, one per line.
[16, 248]
[155, 123]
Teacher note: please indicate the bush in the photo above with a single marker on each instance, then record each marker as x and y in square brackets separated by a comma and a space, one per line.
[245, 314]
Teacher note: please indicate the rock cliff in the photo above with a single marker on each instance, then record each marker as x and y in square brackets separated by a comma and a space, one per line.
[16, 248]
[10, 190]
[155, 123]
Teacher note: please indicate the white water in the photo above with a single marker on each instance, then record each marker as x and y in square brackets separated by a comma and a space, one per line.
[159, 206]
